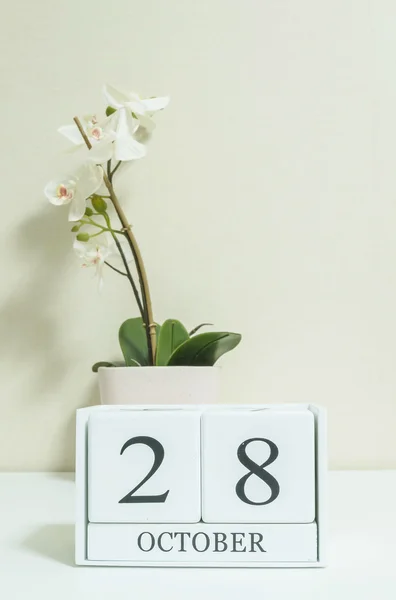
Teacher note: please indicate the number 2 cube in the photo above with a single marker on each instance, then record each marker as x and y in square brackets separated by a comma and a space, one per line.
[144, 466]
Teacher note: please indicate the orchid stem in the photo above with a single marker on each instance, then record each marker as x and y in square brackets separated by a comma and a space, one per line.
[128, 272]
[114, 171]
[115, 269]
[145, 306]
[92, 235]
[94, 224]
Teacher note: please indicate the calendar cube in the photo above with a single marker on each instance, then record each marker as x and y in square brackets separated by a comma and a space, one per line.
[258, 466]
[144, 466]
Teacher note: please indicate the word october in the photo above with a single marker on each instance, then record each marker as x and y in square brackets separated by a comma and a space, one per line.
[183, 541]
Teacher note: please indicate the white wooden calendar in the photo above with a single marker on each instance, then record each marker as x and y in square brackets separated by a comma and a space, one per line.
[229, 486]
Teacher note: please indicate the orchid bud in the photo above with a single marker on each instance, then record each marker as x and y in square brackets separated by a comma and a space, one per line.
[88, 212]
[109, 111]
[75, 228]
[99, 204]
[83, 237]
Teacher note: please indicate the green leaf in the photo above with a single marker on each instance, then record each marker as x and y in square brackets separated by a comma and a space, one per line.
[198, 327]
[172, 334]
[133, 342]
[134, 363]
[104, 363]
[204, 350]
[109, 111]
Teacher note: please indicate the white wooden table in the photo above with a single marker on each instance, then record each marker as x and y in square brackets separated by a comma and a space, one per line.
[37, 538]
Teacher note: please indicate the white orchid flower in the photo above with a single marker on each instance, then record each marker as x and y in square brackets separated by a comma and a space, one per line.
[96, 253]
[112, 138]
[100, 134]
[96, 132]
[75, 189]
[124, 146]
[93, 255]
[141, 107]
[126, 124]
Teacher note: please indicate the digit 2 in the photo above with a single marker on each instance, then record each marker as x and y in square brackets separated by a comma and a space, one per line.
[258, 470]
[159, 454]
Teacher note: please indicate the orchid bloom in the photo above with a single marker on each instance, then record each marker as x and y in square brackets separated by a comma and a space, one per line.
[96, 132]
[95, 254]
[141, 107]
[127, 124]
[100, 135]
[111, 138]
[75, 189]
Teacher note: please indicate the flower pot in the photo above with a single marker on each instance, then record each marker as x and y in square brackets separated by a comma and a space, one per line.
[159, 385]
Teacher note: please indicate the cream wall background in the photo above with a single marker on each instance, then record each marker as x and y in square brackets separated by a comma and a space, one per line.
[267, 205]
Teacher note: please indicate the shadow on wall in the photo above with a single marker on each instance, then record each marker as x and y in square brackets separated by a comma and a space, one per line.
[30, 314]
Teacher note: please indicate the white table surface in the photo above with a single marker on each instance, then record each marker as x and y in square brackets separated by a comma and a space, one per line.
[37, 538]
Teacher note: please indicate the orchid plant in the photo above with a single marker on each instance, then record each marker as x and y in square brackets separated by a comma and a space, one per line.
[104, 145]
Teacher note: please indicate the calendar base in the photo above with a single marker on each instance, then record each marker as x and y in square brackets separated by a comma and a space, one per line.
[202, 544]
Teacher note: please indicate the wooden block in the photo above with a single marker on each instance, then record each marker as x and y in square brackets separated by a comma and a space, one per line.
[258, 466]
[202, 543]
[144, 466]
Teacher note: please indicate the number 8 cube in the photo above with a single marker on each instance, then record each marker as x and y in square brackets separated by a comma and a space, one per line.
[258, 466]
